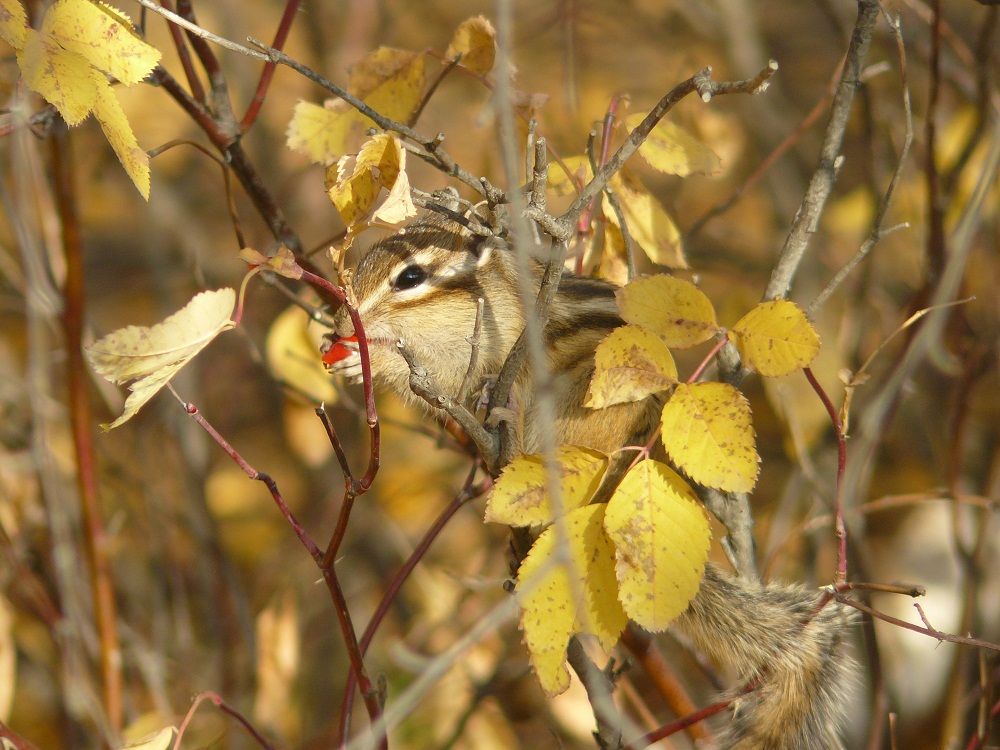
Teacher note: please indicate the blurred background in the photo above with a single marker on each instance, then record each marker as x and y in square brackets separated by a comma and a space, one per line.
[213, 591]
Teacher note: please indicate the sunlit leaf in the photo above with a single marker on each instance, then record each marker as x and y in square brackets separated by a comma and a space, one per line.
[630, 364]
[475, 41]
[353, 194]
[152, 356]
[355, 184]
[108, 111]
[661, 537]
[708, 433]
[161, 740]
[103, 36]
[64, 78]
[521, 494]
[389, 81]
[775, 338]
[675, 310]
[324, 134]
[13, 23]
[559, 600]
[650, 225]
[670, 149]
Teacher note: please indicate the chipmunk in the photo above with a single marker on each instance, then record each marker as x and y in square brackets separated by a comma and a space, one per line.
[422, 285]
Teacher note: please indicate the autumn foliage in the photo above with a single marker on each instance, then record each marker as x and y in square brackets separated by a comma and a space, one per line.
[140, 565]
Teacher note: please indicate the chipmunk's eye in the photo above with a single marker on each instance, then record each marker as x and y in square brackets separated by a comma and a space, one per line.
[410, 277]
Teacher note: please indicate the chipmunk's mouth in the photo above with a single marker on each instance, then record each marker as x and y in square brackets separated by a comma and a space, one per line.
[337, 348]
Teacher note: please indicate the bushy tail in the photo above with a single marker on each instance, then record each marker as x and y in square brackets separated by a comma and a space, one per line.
[774, 637]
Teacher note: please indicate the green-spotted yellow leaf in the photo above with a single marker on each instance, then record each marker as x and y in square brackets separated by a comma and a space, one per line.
[152, 356]
[670, 149]
[675, 310]
[630, 364]
[521, 494]
[708, 433]
[661, 537]
[475, 41]
[561, 599]
[775, 338]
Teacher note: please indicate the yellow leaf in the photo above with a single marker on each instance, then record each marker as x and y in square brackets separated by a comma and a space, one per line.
[675, 310]
[8, 659]
[324, 134]
[614, 261]
[161, 740]
[13, 23]
[382, 153]
[649, 224]
[293, 357]
[353, 196]
[630, 364]
[151, 356]
[386, 154]
[65, 79]
[108, 111]
[521, 494]
[708, 433]
[671, 149]
[661, 538]
[776, 338]
[390, 81]
[103, 36]
[559, 600]
[398, 205]
[475, 41]
[278, 658]
[568, 175]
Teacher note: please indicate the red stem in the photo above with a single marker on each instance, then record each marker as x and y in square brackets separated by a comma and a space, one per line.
[226, 708]
[280, 37]
[838, 427]
[81, 419]
[468, 492]
[251, 472]
[708, 358]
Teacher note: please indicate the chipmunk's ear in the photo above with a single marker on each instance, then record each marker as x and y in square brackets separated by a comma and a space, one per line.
[482, 248]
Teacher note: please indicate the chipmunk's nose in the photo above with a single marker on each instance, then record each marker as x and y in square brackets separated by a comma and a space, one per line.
[336, 348]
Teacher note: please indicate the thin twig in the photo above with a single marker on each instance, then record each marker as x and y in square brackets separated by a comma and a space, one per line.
[877, 233]
[424, 385]
[699, 82]
[432, 151]
[202, 33]
[830, 160]
[473, 339]
[929, 630]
